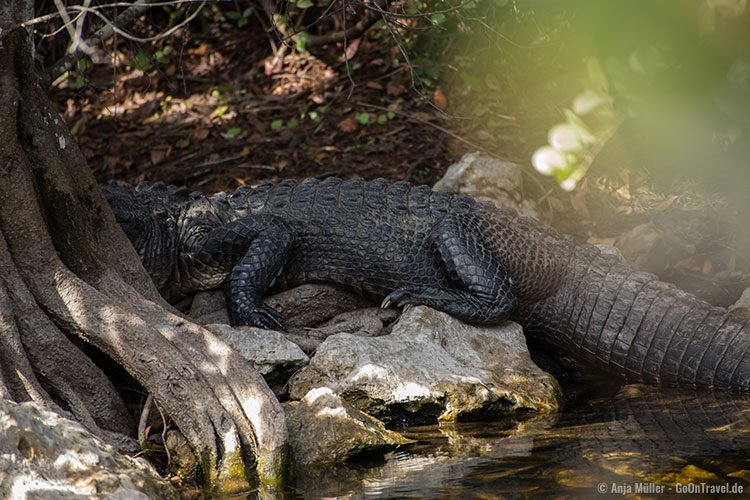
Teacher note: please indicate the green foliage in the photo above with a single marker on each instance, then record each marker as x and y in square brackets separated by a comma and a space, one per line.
[242, 18]
[165, 103]
[363, 118]
[141, 62]
[301, 43]
[277, 124]
[83, 66]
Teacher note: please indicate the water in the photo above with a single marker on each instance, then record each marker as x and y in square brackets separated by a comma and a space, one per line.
[636, 443]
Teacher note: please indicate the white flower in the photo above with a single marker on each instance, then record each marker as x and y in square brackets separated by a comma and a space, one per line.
[547, 159]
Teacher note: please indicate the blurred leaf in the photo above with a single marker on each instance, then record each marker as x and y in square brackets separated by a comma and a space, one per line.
[276, 124]
[301, 43]
[597, 76]
[438, 18]
[363, 118]
[470, 80]
[348, 125]
[587, 101]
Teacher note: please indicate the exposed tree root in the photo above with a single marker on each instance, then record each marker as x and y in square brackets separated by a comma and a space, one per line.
[66, 266]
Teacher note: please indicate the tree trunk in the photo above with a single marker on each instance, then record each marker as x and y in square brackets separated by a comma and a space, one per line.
[67, 268]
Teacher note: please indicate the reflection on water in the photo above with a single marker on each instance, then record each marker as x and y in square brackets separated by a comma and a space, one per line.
[637, 443]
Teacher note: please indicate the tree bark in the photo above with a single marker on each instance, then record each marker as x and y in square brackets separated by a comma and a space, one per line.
[65, 266]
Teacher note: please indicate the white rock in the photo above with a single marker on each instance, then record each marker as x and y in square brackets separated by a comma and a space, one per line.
[268, 350]
[432, 366]
[43, 455]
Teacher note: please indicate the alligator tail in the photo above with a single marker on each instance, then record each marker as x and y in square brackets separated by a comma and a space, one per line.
[615, 318]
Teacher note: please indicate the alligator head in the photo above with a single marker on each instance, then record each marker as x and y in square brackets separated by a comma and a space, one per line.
[148, 218]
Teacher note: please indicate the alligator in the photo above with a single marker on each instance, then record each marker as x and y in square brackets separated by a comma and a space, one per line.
[409, 244]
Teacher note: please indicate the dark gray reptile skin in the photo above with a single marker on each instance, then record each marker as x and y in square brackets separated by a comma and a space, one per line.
[412, 245]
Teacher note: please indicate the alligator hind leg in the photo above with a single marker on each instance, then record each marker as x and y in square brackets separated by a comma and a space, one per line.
[483, 292]
[259, 246]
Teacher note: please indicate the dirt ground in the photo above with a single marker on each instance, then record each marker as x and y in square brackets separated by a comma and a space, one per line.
[220, 111]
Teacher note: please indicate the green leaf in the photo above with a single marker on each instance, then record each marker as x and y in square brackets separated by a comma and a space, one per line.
[276, 124]
[438, 18]
[234, 15]
[470, 80]
[363, 118]
[301, 44]
[432, 71]
[391, 115]
[304, 4]
[292, 123]
[382, 119]
[247, 12]
[242, 22]
[234, 131]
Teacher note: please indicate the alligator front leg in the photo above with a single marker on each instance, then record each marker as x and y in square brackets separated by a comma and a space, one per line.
[483, 292]
[259, 246]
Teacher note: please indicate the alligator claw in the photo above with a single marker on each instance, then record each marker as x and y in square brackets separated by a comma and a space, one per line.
[260, 316]
[399, 297]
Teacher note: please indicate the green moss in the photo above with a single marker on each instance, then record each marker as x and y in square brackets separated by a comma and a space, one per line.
[232, 477]
[272, 467]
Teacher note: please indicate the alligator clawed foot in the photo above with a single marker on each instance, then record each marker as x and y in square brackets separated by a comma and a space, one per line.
[399, 298]
[260, 316]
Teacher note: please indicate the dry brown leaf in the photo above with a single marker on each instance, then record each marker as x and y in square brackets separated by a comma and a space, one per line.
[374, 85]
[666, 203]
[395, 88]
[158, 154]
[351, 50]
[624, 192]
[578, 202]
[438, 97]
[200, 133]
[595, 240]
[686, 264]
[707, 266]
[348, 125]
[111, 160]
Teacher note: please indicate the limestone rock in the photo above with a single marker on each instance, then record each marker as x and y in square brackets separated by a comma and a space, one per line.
[368, 322]
[43, 455]
[487, 178]
[312, 304]
[269, 351]
[742, 306]
[324, 430]
[646, 247]
[431, 366]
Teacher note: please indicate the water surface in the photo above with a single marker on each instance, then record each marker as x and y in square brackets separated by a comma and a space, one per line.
[636, 442]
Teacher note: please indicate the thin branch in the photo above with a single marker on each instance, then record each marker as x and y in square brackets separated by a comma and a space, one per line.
[351, 32]
[55, 15]
[127, 17]
[427, 15]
